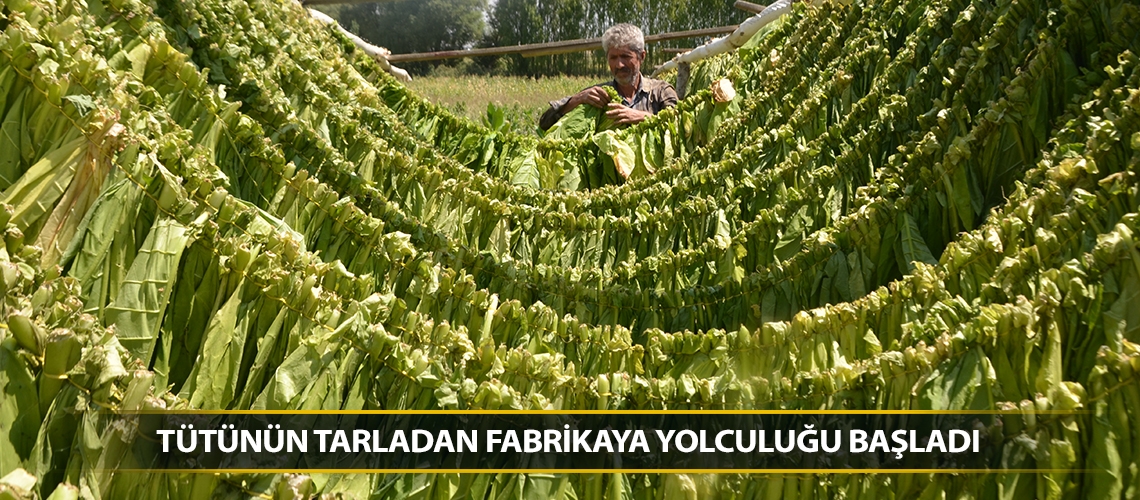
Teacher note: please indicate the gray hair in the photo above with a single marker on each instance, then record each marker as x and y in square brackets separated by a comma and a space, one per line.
[623, 35]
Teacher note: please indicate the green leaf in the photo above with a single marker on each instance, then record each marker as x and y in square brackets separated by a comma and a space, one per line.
[856, 263]
[36, 192]
[19, 411]
[551, 172]
[961, 383]
[83, 103]
[499, 242]
[97, 229]
[1103, 457]
[10, 134]
[8, 78]
[524, 170]
[213, 380]
[622, 155]
[496, 117]
[1050, 376]
[963, 201]
[914, 248]
[141, 302]
[268, 347]
[303, 366]
[721, 113]
[82, 192]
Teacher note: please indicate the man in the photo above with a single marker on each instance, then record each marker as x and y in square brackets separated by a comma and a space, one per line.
[624, 45]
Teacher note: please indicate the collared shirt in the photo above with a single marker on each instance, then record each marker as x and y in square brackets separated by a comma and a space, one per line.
[652, 96]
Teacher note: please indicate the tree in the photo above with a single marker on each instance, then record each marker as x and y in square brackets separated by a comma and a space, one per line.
[515, 22]
[407, 26]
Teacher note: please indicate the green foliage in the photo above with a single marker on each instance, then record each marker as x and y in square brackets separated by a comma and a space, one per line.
[918, 204]
[583, 121]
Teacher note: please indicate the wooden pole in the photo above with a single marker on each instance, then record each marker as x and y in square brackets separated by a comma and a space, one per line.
[452, 54]
[748, 6]
[564, 48]
[682, 80]
[596, 43]
[549, 48]
[335, 2]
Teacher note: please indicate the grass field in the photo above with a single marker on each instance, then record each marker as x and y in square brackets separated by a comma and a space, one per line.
[523, 99]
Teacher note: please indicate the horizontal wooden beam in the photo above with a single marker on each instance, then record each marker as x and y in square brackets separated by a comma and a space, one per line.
[565, 47]
[596, 43]
[550, 48]
[452, 54]
[749, 6]
[335, 2]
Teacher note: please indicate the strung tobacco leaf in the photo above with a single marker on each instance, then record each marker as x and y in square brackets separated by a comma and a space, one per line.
[40, 187]
[139, 306]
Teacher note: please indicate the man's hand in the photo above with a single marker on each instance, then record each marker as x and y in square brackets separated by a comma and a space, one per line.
[623, 115]
[594, 96]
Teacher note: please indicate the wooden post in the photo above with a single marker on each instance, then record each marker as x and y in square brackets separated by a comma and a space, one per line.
[682, 79]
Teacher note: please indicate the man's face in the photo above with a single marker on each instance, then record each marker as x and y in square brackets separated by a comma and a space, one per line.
[625, 64]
